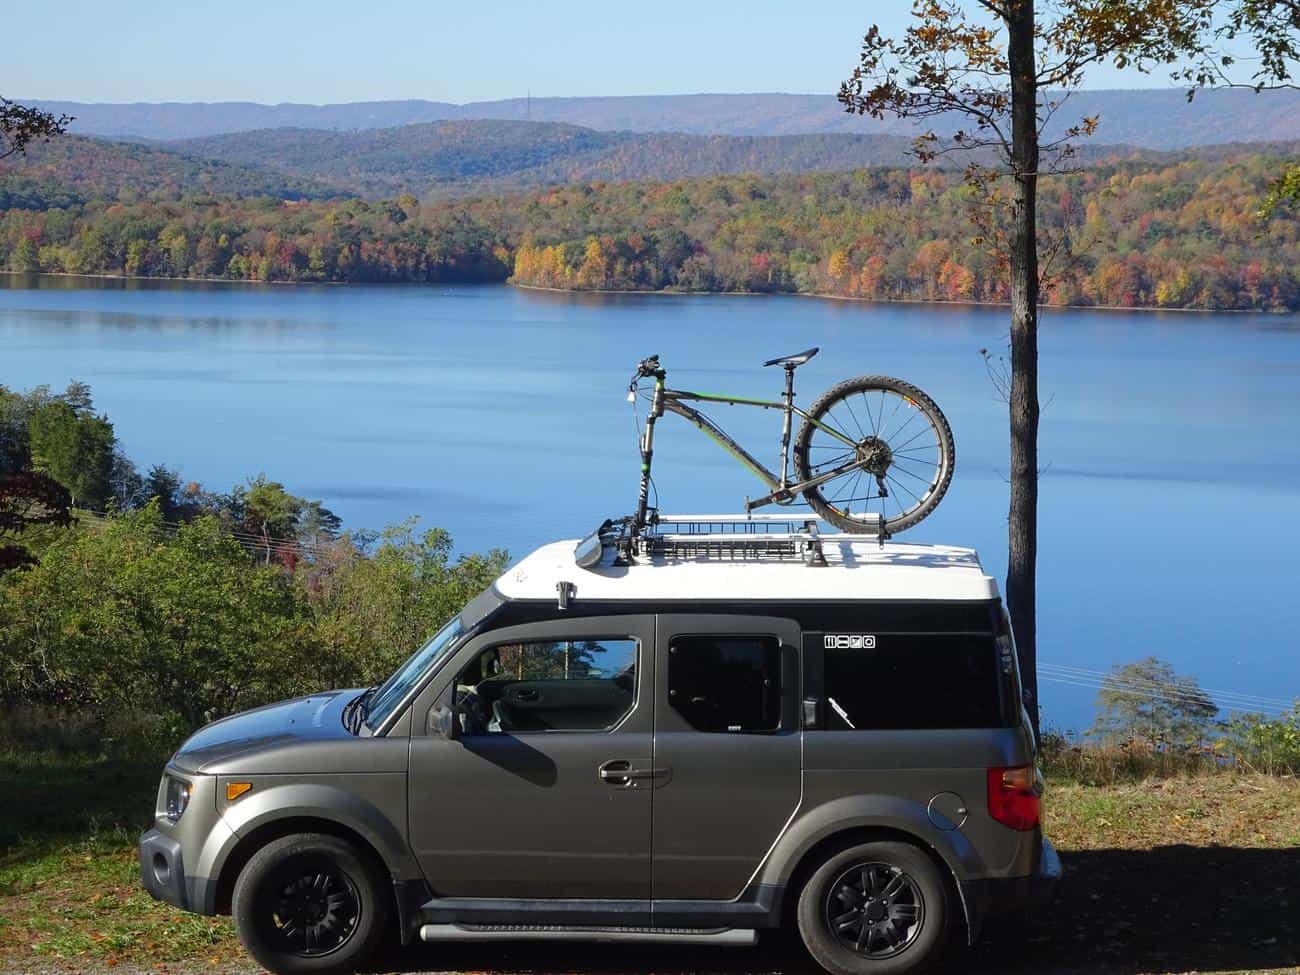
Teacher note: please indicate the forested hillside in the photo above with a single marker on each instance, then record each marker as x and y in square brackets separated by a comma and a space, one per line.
[493, 156]
[72, 170]
[1153, 234]
[444, 159]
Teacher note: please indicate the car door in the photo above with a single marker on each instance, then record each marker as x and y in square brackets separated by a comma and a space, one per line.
[727, 744]
[542, 795]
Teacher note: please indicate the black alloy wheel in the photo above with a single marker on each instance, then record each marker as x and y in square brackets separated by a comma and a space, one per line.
[882, 907]
[875, 910]
[312, 904]
[309, 908]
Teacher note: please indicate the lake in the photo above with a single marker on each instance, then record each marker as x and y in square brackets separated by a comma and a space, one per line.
[1170, 521]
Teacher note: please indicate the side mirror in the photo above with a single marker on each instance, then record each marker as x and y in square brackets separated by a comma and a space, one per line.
[442, 722]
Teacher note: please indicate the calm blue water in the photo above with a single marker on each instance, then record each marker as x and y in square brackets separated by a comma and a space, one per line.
[1170, 504]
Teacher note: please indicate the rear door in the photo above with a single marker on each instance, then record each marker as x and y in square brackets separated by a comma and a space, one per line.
[726, 750]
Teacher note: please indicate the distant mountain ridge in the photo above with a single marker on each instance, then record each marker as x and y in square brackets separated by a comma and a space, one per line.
[1148, 118]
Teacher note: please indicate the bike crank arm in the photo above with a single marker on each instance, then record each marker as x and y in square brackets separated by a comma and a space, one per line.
[788, 493]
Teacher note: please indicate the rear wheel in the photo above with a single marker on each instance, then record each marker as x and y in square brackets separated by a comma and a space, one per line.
[310, 903]
[892, 446]
[875, 909]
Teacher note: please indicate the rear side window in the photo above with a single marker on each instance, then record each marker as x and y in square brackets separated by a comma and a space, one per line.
[913, 681]
[726, 684]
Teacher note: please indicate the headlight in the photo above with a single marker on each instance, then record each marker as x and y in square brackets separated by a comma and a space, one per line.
[178, 797]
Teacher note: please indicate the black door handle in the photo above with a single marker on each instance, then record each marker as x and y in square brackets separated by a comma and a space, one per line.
[615, 772]
[621, 772]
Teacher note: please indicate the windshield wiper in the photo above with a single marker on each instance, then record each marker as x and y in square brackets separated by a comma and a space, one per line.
[357, 710]
[844, 715]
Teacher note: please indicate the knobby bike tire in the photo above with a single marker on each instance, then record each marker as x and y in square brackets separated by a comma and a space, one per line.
[916, 398]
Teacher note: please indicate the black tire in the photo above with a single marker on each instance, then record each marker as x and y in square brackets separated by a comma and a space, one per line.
[894, 945]
[311, 903]
[914, 460]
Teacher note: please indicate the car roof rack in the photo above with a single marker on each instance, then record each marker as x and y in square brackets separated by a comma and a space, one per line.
[723, 537]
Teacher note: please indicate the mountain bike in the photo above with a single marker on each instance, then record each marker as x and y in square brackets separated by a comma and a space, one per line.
[873, 455]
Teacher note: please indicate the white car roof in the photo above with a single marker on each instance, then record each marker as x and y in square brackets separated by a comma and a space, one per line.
[856, 569]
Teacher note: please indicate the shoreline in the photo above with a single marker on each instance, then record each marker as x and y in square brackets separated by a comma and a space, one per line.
[824, 296]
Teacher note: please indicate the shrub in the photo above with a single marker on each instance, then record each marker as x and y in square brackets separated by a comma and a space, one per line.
[126, 617]
[1062, 756]
[1265, 744]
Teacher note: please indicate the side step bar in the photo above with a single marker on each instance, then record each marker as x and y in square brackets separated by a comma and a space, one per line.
[720, 937]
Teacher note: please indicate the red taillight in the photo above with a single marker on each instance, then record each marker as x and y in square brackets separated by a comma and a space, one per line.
[1014, 796]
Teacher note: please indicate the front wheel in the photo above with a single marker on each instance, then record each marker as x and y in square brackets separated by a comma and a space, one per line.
[891, 446]
[310, 904]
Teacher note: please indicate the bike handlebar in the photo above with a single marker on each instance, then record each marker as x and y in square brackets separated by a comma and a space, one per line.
[647, 368]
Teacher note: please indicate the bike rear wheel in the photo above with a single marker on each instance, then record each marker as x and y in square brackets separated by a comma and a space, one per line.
[902, 455]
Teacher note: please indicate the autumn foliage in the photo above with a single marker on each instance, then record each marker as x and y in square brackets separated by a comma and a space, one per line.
[1177, 233]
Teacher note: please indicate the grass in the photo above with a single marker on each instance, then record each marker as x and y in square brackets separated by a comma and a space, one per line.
[1190, 872]
[76, 799]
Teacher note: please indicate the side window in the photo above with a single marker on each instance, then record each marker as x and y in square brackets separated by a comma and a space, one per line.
[556, 685]
[913, 681]
[726, 683]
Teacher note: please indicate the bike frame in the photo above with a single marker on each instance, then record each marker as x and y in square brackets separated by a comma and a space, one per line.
[782, 490]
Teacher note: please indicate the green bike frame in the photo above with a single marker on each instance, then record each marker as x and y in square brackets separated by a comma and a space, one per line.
[781, 489]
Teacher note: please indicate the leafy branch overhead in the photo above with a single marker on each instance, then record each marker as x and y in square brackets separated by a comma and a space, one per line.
[948, 65]
[20, 126]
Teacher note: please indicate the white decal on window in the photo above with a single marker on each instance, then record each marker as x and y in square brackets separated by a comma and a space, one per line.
[849, 641]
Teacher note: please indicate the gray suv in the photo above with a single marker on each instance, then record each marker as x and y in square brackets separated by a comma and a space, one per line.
[692, 745]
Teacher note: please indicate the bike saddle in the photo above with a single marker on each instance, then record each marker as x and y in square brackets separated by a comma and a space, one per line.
[793, 361]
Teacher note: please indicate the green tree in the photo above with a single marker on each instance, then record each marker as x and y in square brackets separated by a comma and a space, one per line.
[126, 486]
[28, 500]
[1146, 701]
[163, 485]
[369, 612]
[129, 616]
[271, 512]
[75, 447]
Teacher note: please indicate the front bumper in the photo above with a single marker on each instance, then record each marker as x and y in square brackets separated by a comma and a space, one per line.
[999, 899]
[162, 869]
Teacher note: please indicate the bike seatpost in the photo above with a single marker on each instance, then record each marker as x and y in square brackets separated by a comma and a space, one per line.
[788, 396]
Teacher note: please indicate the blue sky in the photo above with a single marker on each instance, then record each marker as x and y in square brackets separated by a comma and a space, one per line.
[333, 51]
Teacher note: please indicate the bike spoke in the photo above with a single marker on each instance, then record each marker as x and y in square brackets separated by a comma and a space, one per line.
[919, 433]
[910, 419]
[852, 486]
[904, 487]
[897, 406]
[849, 407]
[896, 465]
[866, 405]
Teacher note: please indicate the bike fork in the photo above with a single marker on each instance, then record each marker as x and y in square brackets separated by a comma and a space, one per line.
[647, 455]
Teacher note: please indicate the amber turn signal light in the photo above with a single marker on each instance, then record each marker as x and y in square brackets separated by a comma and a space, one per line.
[236, 789]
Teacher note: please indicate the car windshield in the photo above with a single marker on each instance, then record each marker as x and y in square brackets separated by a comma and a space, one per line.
[393, 690]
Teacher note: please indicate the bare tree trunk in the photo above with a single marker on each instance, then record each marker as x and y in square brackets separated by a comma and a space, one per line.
[1022, 521]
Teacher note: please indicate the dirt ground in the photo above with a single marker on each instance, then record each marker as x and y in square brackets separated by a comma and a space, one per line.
[1129, 912]
[1174, 876]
